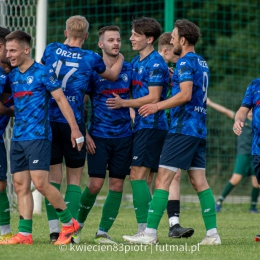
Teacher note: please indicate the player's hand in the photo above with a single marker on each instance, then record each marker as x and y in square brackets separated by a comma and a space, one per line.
[148, 109]
[90, 145]
[114, 103]
[237, 127]
[77, 138]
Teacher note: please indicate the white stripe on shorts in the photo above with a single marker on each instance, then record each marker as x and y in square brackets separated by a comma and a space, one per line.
[196, 168]
[173, 169]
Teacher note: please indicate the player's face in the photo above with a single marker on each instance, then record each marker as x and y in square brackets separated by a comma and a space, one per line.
[111, 43]
[175, 41]
[171, 57]
[139, 41]
[3, 51]
[16, 53]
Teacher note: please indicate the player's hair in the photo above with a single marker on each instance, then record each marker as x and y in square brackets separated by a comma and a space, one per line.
[164, 41]
[188, 30]
[104, 29]
[3, 32]
[20, 36]
[147, 26]
[77, 26]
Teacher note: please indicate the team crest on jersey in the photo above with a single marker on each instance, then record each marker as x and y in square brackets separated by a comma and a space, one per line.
[125, 77]
[140, 70]
[29, 80]
[51, 70]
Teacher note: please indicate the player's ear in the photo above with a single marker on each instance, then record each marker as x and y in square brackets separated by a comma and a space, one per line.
[150, 39]
[86, 36]
[100, 45]
[27, 50]
[65, 33]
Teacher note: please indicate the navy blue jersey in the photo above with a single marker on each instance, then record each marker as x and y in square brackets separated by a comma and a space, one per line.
[73, 67]
[190, 118]
[7, 103]
[149, 72]
[105, 122]
[31, 93]
[252, 100]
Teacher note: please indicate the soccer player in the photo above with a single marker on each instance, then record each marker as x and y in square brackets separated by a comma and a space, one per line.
[185, 144]
[73, 67]
[251, 101]
[150, 80]
[6, 111]
[109, 142]
[165, 49]
[32, 84]
[244, 165]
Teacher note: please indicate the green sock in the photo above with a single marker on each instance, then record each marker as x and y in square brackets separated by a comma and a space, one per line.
[4, 209]
[157, 208]
[25, 225]
[208, 209]
[227, 189]
[73, 194]
[110, 210]
[50, 210]
[141, 199]
[254, 197]
[64, 215]
[87, 201]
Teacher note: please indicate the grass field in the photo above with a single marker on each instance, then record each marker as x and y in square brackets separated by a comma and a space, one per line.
[237, 229]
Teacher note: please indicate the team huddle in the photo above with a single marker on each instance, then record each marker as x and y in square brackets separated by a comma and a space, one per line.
[129, 133]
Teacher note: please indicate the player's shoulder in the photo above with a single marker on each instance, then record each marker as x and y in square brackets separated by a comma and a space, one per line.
[135, 59]
[255, 82]
[3, 74]
[53, 45]
[127, 66]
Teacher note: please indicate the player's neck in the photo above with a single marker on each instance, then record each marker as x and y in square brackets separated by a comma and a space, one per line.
[26, 64]
[186, 49]
[109, 60]
[75, 42]
[146, 51]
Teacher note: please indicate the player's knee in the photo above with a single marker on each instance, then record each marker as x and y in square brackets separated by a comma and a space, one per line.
[95, 187]
[117, 186]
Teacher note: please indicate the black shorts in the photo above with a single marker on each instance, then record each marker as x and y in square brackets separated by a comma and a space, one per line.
[62, 146]
[3, 162]
[112, 154]
[184, 152]
[147, 147]
[30, 155]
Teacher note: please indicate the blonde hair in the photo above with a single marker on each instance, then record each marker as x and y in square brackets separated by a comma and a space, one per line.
[165, 41]
[77, 26]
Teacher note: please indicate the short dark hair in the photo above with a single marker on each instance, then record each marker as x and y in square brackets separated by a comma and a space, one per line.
[19, 36]
[147, 26]
[104, 29]
[164, 39]
[3, 33]
[188, 30]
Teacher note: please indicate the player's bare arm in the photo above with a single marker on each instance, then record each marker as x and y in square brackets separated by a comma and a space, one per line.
[112, 74]
[240, 118]
[180, 98]
[229, 113]
[76, 136]
[152, 97]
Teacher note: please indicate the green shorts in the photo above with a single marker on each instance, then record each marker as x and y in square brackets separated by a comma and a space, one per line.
[244, 165]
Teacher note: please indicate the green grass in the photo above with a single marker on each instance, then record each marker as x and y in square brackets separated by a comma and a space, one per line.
[236, 226]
